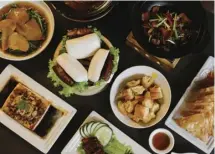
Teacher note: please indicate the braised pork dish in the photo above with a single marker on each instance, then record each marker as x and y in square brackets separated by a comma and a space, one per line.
[23, 28]
[166, 29]
[198, 116]
[140, 99]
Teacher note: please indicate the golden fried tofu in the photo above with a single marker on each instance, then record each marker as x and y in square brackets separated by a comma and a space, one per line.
[138, 90]
[133, 83]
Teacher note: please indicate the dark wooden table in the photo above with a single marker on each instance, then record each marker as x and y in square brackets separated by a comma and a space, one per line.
[115, 26]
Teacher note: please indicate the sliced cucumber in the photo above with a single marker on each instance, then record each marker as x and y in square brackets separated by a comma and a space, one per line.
[89, 126]
[81, 132]
[93, 127]
[99, 125]
[104, 134]
[85, 130]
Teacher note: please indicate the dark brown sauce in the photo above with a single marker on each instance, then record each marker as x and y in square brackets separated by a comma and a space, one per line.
[5, 92]
[48, 121]
[161, 141]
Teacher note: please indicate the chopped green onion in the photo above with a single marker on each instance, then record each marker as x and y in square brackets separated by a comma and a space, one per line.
[171, 41]
[174, 27]
[150, 30]
[150, 37]
[151, 20]
[161, 22]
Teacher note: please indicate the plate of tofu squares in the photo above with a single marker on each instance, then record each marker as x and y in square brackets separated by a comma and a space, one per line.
[140, 97]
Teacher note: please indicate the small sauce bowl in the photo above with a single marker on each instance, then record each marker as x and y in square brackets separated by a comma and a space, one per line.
[162, 138]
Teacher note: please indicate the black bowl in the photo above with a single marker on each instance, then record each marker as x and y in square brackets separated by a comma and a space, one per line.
[193, 10]
[78, 15]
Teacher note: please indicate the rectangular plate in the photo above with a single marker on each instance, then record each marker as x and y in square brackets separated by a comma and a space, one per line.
[206, 147]
[43, 144]
[71, 147]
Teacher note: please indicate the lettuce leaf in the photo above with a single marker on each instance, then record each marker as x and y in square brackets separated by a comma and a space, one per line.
[114, 146]
[115, 52]
[67, 90]
[63, 49]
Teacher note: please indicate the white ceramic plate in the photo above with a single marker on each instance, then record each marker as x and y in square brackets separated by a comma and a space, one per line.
[43, 144]
[133, 73]
[48, 13]
[71, 147]
[206, 147]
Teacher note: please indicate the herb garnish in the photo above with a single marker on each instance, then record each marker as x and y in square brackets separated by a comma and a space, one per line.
[40, 20]
[23, 105]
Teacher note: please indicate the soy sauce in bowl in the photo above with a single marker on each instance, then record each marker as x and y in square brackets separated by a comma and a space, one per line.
[161, 141]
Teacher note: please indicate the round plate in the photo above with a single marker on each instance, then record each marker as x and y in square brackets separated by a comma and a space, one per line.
[93, 89]
[78, 16]
[48, 13]
[135, 73]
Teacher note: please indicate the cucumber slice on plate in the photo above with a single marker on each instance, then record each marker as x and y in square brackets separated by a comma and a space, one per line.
[89, 126]
[85, 130]
[81, 132]
[93, 127]
[99, 125]
[104, 134]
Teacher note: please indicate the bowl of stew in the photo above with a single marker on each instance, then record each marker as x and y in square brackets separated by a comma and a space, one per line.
[26, 28]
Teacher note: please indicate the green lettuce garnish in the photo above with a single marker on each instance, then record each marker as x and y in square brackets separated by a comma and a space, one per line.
[68, 90]
[115, 52]
[114, 146]
[63, 49]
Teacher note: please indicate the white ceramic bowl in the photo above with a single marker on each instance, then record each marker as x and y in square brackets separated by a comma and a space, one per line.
[171, 145]
[134, 73]
[48, 13]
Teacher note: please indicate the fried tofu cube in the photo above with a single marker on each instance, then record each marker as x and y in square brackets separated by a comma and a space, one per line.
[126, 94]
[138, 90]
[147, 103]
[121, 107]
[141, 111]
[147, 81]
[133, 83]
[129, 105]
[155, 107]
[156, 92]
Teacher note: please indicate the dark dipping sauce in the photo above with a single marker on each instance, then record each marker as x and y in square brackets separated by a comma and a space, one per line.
[161, 141]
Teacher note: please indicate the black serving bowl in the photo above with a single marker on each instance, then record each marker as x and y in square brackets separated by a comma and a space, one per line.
[78, 11]
[193, 10]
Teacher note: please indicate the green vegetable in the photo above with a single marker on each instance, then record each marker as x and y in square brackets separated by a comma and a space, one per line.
[13, 5]
[99, 83]
[115, 52]
[174, 26]
[23, 105]
[66, 89]
[40, 20]
[115, 147]
[159, 24]
[95, 30]
[63, 49]
[80, 149]
[4, 16]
